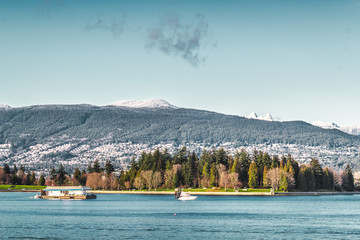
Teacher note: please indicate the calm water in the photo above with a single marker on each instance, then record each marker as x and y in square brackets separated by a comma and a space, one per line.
[209, 217]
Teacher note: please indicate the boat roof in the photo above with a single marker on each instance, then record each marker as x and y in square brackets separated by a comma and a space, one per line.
[66, 188]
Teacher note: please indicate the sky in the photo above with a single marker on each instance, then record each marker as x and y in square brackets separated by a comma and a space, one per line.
[298, 60]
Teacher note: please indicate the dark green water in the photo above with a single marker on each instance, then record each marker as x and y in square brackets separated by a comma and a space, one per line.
[152, 217]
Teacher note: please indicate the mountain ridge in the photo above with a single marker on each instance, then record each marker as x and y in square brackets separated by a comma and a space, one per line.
[44, 135]
[81, 109]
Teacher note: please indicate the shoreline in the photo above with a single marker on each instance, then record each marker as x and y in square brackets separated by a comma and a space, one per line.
[226, 193]
[192, 193]
[32, 190]
[208, 193]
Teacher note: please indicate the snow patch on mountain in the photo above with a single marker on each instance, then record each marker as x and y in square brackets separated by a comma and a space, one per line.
[252, 115]
[326, 125]
[151, 103]
[353, 130]
[267, 117]
[3, 106]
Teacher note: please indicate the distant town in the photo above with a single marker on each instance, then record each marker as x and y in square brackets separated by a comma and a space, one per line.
[78, 153]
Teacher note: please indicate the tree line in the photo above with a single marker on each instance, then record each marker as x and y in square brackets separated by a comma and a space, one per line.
[212, 169]
[216, 168]
[19, 176]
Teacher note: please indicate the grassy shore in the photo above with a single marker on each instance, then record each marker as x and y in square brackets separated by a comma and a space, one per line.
[222, 192]
[21, 187]
[194, 191]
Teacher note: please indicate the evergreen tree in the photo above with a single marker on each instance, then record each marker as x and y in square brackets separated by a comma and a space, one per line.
[267, 160]
[122, 179]
[236, 165]
[32, 178]
[253, 175]
[189, 170]
[77, 175]
[90, 169]
[284, 185]
[295, 166]
[168, 165]
[221, 157]
[275, 162]
[306, 179]
[28, 178]
[15, 169]
[133, 172]
[6, 169]
[347, 179]
[14, 179]
[230, 162]
[282, 162]
[83, 178]
[181, 156]
[42, 180]
[213, 175]
[96, 167]
[204, 160]
[109, 168]
[328, 179]
[116, 184]
[166, 160]
[260, 166]
[61, 176]
[244, 167]
[318, 173]
[255, 155]
[175, 183]
[146, 162]
[156, 159]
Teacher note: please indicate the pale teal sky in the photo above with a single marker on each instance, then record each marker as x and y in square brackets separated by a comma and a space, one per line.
[293, 59]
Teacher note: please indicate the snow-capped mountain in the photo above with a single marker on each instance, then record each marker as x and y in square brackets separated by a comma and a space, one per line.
[326, 125]
[151, 103]
[3, 106]
[252, 115]
[353, 130]
[267, 117]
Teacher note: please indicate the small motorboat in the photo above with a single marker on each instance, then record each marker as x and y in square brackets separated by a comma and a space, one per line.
[185, 196]
[36, 196]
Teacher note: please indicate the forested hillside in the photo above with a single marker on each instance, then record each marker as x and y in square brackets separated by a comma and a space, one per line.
[40, 137]
[23, 127]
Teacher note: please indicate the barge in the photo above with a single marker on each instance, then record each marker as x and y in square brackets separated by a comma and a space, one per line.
[67, 192]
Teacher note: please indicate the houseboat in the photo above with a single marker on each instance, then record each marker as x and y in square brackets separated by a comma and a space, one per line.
[67, 192]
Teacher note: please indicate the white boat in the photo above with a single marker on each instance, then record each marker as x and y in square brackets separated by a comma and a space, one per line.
[36, 196]
[186, 196]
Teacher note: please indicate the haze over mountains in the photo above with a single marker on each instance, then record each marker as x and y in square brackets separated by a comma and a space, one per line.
[3, 106]
[42, 136]
[353, 130]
